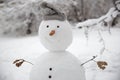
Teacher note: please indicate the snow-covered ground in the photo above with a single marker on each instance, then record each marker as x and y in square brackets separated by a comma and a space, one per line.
[29, 48]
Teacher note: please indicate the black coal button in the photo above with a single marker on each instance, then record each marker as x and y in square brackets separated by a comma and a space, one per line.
[50, 69]
[49, 76]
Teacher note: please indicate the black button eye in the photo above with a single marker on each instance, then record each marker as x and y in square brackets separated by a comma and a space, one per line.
[58, 26]
[47, 26]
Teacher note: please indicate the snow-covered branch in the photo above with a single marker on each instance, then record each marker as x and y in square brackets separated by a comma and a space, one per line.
[105, 20]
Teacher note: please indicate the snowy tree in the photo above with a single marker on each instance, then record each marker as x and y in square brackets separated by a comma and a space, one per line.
[19, 17]
[96, 8]
[15, 14]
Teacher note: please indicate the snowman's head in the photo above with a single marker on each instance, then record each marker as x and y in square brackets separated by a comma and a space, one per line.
[55, 35]
[54, 31]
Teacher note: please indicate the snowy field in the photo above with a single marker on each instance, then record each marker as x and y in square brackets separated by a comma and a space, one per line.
[29, 48]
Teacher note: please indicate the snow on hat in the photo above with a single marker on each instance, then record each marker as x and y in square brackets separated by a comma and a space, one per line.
[49, 12]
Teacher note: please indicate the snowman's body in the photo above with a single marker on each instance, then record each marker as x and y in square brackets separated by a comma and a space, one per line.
[57, 64]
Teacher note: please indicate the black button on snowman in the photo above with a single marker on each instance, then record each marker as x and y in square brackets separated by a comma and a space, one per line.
[56, 35]
[50, 70]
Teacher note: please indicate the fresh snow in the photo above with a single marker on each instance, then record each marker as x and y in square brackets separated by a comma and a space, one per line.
[29, 48]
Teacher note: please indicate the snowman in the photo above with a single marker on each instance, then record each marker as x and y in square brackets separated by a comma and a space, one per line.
[56, 35]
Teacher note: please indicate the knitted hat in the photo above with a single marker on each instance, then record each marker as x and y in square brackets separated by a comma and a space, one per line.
[50, 13]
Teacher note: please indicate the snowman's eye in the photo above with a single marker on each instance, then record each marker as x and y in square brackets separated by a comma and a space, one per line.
[58, 26]
[47, 26]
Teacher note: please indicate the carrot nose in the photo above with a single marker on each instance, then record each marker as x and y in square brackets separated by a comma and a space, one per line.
[52, 32]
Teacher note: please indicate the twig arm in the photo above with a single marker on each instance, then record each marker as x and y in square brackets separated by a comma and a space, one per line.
[89, 60]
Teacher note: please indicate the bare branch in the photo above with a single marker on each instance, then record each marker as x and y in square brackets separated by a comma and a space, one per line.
[89, 60]
[19, 62]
